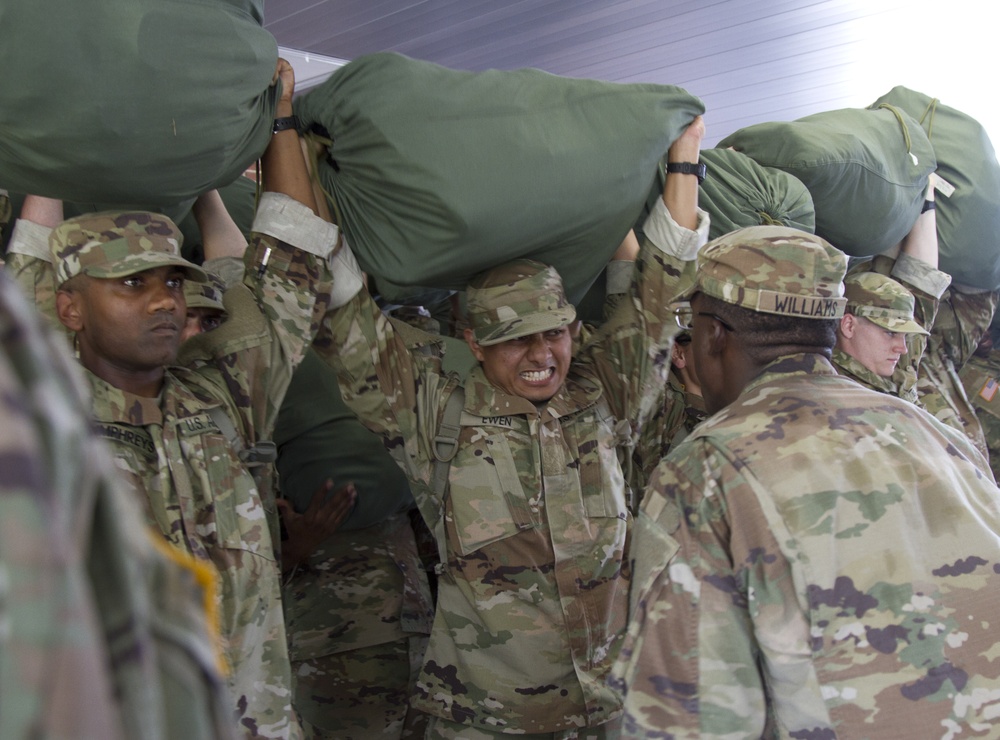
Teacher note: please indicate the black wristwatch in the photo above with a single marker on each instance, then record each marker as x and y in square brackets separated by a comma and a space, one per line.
[689, 168]
[285, 123]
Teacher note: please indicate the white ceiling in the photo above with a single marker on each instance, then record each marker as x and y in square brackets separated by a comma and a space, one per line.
[749, 61]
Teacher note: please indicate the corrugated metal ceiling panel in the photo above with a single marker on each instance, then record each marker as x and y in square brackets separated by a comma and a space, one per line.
[750, 61]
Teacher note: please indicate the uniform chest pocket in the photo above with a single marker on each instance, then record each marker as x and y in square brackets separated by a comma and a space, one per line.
[493, 490]
[228, 511]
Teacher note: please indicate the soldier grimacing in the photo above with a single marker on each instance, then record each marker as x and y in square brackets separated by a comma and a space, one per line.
[535, 523]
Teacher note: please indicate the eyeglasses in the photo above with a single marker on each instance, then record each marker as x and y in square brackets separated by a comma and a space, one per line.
[683, 315]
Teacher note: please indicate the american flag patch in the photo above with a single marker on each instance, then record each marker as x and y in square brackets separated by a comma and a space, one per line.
[989, 389]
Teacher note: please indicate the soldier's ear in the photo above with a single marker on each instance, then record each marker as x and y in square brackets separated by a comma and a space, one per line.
[677, 356]
[477, 350]
[69, 309]
[848, 325]
[717, 339]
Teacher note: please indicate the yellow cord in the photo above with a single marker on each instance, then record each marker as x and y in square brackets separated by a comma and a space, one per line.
[207, 578]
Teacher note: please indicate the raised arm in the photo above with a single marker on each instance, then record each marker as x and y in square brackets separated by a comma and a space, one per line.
[29, 262]
[680, 191]
[631, 351]
[283, 164]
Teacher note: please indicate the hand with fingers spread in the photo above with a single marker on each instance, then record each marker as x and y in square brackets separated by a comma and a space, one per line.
[306, 531]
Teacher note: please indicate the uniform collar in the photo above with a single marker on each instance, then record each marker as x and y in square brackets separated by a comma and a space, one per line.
[804, 363]
[851, 368]
[113, 405]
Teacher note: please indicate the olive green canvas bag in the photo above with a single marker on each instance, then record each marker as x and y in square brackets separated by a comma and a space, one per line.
[436, 174]
[968, 218]
[738, 192]
[867, 171]
[136, 103]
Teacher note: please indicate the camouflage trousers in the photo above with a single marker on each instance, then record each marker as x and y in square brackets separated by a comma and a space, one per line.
[360, 694]
[442, 729]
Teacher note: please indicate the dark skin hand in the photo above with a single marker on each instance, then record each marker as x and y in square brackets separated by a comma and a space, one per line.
[307, 531]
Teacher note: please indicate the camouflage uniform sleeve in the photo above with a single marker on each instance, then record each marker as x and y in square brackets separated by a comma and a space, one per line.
[275, 312]
[630, 353]
[619, 279]
[378, 375]
[229, 269]
[715, 622]
[965, 314]
[29, 264]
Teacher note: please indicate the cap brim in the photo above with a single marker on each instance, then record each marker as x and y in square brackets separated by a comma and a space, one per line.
[525, 325]
[900, 326]
[147, 261]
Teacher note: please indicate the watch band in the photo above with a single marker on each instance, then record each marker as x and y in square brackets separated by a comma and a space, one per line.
[285, 123]
[698, 169]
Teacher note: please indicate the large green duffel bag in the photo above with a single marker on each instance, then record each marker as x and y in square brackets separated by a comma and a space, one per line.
[867, 171]
[968, 220]
[738, 192]
[135, 103]
[437, 174]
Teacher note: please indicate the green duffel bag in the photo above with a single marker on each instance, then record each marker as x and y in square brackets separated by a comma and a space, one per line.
[968, 220]
[436, 174]
[867, 171]
[738, 192]
[136, 103]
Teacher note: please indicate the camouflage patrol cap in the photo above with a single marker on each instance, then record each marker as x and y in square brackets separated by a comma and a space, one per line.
[114, 244]
[776, 270]
[883, 301]
[516, 299]
[207, 294]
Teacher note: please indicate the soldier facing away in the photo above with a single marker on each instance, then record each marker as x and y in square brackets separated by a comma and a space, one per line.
[816, 559]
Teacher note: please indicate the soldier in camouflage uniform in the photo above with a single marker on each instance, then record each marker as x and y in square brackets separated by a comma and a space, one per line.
[102, 635]
[205, 308]
[981, 378]
[955, 315]
[872, 334]
[816, 560]
[534, 524]
[186, 435]
[358, 607]
[963, 316]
